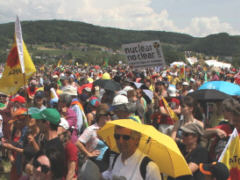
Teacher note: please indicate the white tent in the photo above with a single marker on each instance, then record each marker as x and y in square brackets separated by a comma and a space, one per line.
[215, 63]
[177, 63]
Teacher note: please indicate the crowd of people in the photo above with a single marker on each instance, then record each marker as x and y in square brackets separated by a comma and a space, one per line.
[49, 129]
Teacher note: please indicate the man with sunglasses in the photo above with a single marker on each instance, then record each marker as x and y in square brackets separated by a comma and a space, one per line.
[131, 163]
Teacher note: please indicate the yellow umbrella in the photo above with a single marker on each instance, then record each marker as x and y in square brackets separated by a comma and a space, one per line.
[159, 147]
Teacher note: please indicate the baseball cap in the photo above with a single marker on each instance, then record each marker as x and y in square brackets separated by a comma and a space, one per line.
[216, 169]
[172, 91]
[19, 99]
[49, 114]
[193, 128]
[119, 99]
[185, 83]
[94, 101]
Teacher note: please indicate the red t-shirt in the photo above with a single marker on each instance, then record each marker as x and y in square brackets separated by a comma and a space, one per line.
[173, 104]
[71, 154]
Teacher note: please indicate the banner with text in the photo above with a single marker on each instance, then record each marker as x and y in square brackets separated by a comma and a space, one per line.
[144, 54]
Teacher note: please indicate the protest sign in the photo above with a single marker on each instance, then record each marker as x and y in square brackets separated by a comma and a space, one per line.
[144, 54]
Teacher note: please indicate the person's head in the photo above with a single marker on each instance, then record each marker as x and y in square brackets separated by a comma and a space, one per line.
[127, 140]
[32, 84]
[227, 108]
[214, 171]
[32, 121]
[41, 167]
[172, 91]
[139, 93]
[39, 98]
[102, 114]
[64, 101]
[93, 103]
[19, 118]
[148, 83]
[192, 133]
[159, 86]
[187, 105]
[185, 85]
[3, 98]
[50, 117]
[64, 80]
[49, 164]
[132, 95]
[19, 101]
[120, 106]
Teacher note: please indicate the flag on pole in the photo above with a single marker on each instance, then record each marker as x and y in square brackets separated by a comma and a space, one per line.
[171, 113]
[105, 64]
[182, 72]
[19, 66]
[59, 63]
[42, 68]
[231, 156]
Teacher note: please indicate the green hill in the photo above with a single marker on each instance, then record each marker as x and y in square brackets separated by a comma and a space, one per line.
[67, 33]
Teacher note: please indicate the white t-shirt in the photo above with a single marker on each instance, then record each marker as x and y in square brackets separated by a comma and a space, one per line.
[89, 137]
[130, 169]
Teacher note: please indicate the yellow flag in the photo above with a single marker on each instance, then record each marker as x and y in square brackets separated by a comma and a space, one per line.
[13, 78]
[59, 63]
[231, 156]
[42, 68]
[171, 113]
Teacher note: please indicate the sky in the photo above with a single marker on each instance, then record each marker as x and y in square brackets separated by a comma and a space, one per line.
[198, 18]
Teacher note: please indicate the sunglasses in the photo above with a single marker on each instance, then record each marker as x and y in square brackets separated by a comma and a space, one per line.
[124, 137]
[188, 134]
[107, 114]
[44, 168]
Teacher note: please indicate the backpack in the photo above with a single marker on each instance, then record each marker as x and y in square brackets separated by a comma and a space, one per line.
[143, 166]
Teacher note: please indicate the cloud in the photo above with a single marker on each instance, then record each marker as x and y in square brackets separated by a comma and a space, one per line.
[126, 14]
[202, 26]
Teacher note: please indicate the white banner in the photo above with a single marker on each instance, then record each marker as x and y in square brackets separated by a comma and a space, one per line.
[19, 41]
[144, 54]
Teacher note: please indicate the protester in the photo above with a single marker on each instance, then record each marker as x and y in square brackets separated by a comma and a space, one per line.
[192, 150]
[127, 163]
[64, 107]
[187, 111]
[71, 151]
[89, 143]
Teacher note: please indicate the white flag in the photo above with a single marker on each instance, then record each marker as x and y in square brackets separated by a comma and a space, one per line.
[19, 42]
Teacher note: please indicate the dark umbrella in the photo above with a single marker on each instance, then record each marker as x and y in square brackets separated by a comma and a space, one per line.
[107, 84]
[208, 95]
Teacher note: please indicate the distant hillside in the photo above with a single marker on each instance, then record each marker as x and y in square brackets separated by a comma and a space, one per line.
[69, 31]
[65, 32]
